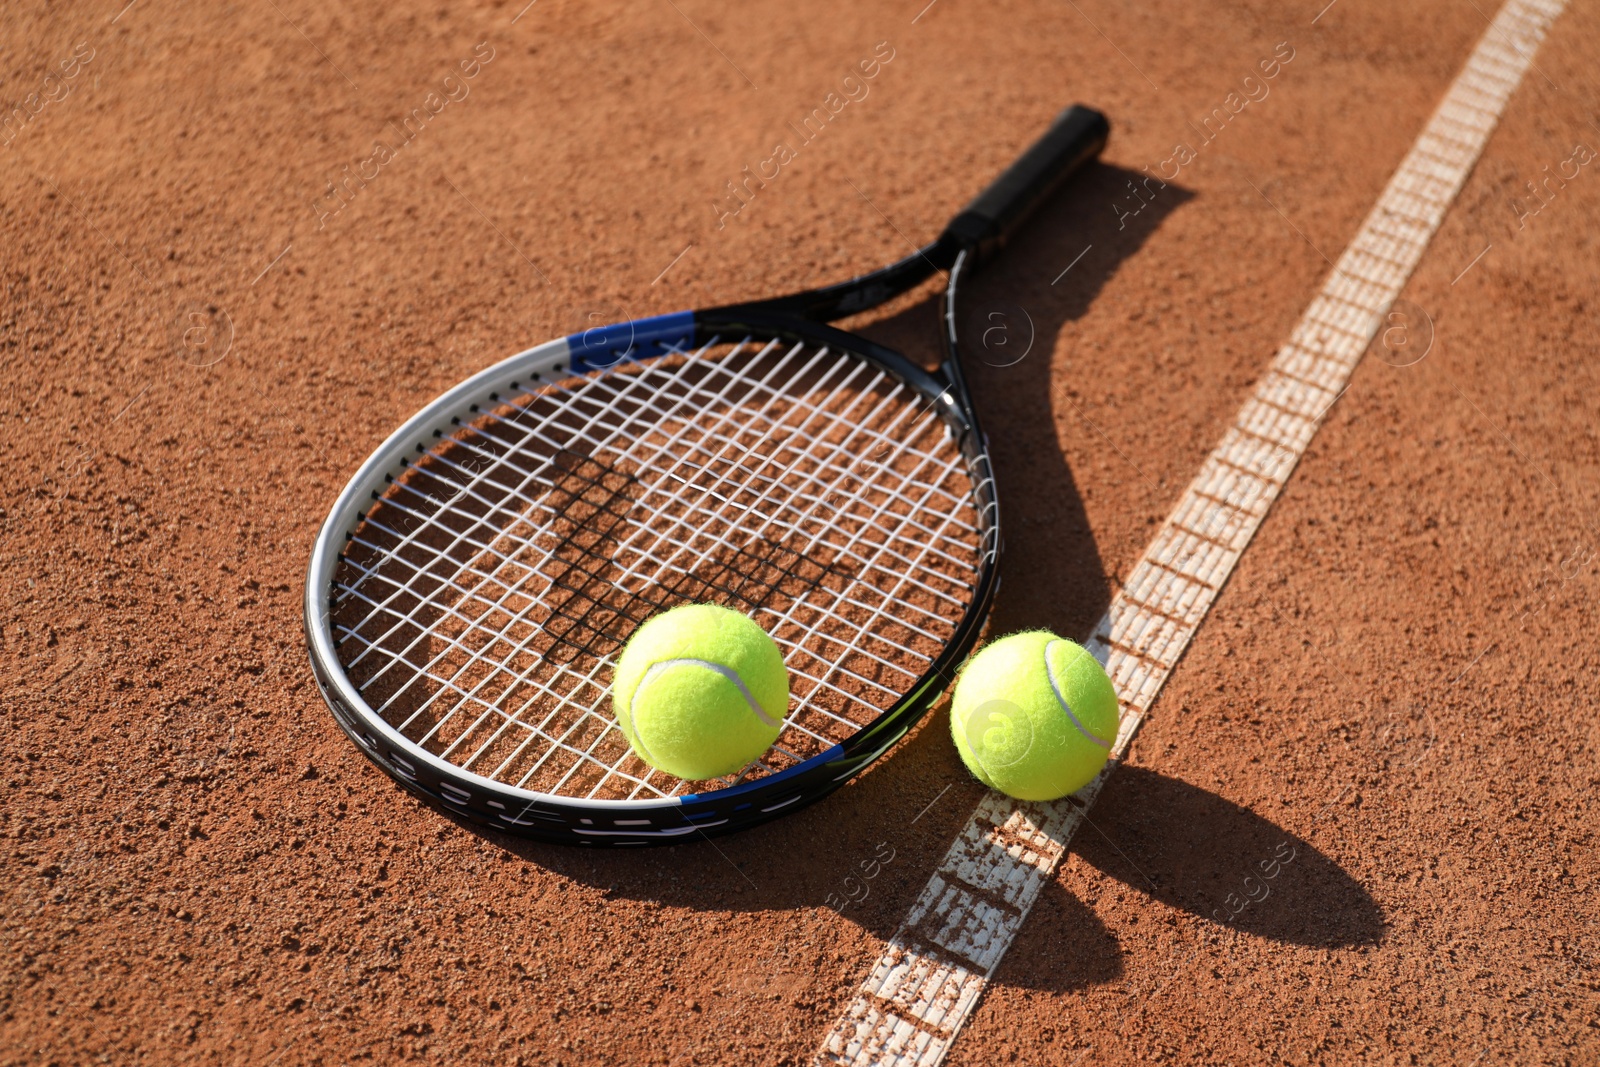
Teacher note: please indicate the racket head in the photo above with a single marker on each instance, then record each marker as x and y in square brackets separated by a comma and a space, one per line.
[474, 583]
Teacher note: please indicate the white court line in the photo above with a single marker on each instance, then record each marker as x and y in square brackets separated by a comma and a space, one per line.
[934, 969]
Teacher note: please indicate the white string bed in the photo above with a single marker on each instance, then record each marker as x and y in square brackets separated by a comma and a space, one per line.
[481, 604]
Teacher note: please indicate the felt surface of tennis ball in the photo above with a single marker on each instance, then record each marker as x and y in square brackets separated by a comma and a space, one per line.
[700, 691]
[1034, 716]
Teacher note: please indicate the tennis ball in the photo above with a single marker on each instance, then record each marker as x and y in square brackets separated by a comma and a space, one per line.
[700, 691]
[1034, 716]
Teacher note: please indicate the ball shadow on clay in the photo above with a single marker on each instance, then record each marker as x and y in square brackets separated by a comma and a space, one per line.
[1064, 946]
[1194, 850]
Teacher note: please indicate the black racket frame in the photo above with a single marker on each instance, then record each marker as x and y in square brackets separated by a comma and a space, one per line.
[971, 239]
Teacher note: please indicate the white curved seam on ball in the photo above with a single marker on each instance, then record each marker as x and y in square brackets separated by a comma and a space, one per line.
[727, 672]
[1056, 689]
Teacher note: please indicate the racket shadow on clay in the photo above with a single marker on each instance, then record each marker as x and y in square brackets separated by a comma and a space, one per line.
[1018, 315]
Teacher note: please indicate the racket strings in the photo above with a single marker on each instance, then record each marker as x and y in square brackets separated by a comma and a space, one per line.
[695, 597]
[483, 601]
[835, 489]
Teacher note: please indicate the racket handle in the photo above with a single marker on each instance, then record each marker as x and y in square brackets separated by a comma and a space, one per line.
[1077, 136]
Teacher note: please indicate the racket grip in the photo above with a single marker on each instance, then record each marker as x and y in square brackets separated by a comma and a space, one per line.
[983, 228]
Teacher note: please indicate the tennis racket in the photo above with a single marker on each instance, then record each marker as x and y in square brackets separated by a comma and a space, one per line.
[475, 582]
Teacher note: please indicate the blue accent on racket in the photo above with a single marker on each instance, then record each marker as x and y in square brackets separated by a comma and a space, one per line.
[636, 339]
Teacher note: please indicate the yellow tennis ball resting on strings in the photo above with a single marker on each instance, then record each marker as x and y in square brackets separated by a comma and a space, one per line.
[700, 691]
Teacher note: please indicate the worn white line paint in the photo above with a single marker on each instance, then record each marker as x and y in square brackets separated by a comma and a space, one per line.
[933, 971]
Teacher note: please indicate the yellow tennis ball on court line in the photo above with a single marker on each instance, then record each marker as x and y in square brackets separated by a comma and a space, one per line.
[700, 691]
[1034, 716]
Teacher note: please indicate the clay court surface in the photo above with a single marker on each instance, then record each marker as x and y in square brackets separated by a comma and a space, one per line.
[1394, 695]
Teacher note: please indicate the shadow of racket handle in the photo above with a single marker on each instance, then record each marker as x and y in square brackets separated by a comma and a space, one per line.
[983, 228]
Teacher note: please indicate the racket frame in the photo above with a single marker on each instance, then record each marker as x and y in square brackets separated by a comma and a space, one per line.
[973, 237]
[511, 809]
